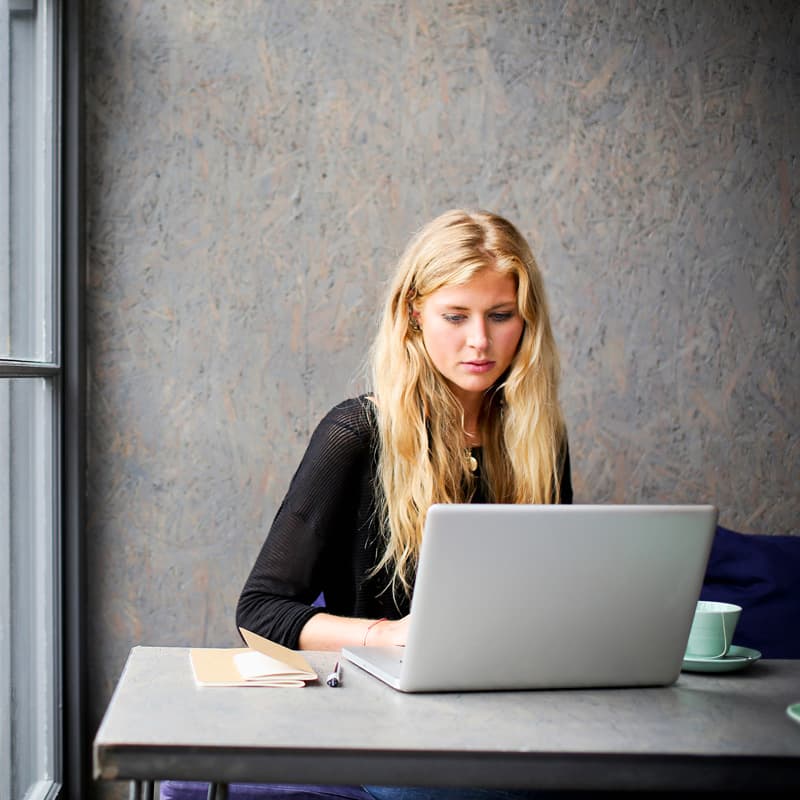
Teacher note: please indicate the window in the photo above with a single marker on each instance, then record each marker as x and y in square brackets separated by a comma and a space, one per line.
[35, 410]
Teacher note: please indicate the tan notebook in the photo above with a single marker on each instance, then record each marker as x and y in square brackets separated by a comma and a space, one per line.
[261, 663]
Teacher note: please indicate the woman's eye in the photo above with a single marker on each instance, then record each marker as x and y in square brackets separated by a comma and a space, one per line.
[501, 316]
[454, 318]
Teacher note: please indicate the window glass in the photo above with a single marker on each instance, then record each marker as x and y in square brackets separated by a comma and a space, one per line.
[30, 587]
[28, 181]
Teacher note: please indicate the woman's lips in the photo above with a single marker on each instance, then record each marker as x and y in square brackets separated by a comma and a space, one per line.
[477, 367]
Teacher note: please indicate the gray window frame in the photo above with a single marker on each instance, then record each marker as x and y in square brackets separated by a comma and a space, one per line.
[60, 365]
[76, 756]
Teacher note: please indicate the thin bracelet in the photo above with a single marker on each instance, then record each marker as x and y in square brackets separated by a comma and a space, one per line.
[371, 626]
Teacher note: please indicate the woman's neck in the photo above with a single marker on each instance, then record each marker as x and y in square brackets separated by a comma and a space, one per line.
[472, 431]
[471, 403]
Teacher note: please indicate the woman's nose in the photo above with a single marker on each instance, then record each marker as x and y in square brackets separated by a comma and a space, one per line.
[478, 335]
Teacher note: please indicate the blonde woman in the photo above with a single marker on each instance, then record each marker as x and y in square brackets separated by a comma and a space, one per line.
[464, 408]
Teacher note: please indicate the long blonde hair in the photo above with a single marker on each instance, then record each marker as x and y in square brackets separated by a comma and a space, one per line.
[420, 422]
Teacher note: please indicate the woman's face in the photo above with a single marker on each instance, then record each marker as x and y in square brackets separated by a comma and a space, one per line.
[472, 331]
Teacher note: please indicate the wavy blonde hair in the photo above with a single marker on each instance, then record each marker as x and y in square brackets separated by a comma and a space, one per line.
[420, 421]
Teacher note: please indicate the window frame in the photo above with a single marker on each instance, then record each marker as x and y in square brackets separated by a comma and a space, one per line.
[31, 667]
[62, 366]
[76, 752]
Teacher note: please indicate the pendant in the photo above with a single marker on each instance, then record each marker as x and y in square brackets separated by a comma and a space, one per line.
[472, 462]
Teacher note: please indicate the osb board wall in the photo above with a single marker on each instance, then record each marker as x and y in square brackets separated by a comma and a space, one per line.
[255, 168]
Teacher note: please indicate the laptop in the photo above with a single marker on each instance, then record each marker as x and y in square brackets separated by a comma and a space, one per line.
[549, 597]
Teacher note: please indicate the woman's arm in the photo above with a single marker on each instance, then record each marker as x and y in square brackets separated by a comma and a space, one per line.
[310, 544]
[328, 632]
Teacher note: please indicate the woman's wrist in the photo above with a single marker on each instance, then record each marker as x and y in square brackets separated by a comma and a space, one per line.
[371, 629]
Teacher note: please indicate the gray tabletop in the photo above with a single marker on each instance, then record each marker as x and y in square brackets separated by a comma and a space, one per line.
[704, 732]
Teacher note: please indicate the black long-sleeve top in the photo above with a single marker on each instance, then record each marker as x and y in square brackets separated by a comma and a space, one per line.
[326, 538]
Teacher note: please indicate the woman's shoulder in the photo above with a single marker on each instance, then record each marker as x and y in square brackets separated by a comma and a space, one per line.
[352, 419]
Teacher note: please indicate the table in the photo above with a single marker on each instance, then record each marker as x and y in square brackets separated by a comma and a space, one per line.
[704, 732]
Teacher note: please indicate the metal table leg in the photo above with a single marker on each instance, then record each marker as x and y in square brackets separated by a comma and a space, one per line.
[217, 791]
[141, 790]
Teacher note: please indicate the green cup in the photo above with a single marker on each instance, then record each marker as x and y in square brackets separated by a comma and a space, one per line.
[712, 629]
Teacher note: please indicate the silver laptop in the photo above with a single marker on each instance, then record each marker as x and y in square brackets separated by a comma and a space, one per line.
[534, 597]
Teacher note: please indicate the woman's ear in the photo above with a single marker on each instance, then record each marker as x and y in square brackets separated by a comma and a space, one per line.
[413, 319]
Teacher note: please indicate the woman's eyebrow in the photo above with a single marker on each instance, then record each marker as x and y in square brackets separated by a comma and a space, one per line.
[501, 304]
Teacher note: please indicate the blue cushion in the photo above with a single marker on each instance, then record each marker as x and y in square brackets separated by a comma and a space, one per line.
[194, 790]
[760, 573]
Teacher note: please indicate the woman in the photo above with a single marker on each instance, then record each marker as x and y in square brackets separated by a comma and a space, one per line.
[464, 409]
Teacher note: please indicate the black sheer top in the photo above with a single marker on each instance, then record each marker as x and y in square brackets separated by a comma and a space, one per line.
[325, 537]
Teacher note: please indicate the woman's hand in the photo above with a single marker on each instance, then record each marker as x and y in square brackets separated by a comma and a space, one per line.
[386, 632]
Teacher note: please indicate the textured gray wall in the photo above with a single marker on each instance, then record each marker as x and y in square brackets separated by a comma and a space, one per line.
[254, 170]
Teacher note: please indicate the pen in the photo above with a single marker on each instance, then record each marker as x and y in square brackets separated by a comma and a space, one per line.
[335, 678]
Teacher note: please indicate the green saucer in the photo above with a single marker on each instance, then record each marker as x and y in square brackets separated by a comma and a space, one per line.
[794, 711]
[736, 658]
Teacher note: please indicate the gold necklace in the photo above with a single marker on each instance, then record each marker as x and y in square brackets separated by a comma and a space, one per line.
[472, 462]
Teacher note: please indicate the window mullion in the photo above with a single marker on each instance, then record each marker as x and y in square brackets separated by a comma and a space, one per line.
[5, 196]
[27, 369]
[46, 249]
[6, 733]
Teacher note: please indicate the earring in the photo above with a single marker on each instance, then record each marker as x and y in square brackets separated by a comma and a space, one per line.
[413, 324]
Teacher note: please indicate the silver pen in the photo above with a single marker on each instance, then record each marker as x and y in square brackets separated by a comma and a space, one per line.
[335, 678]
